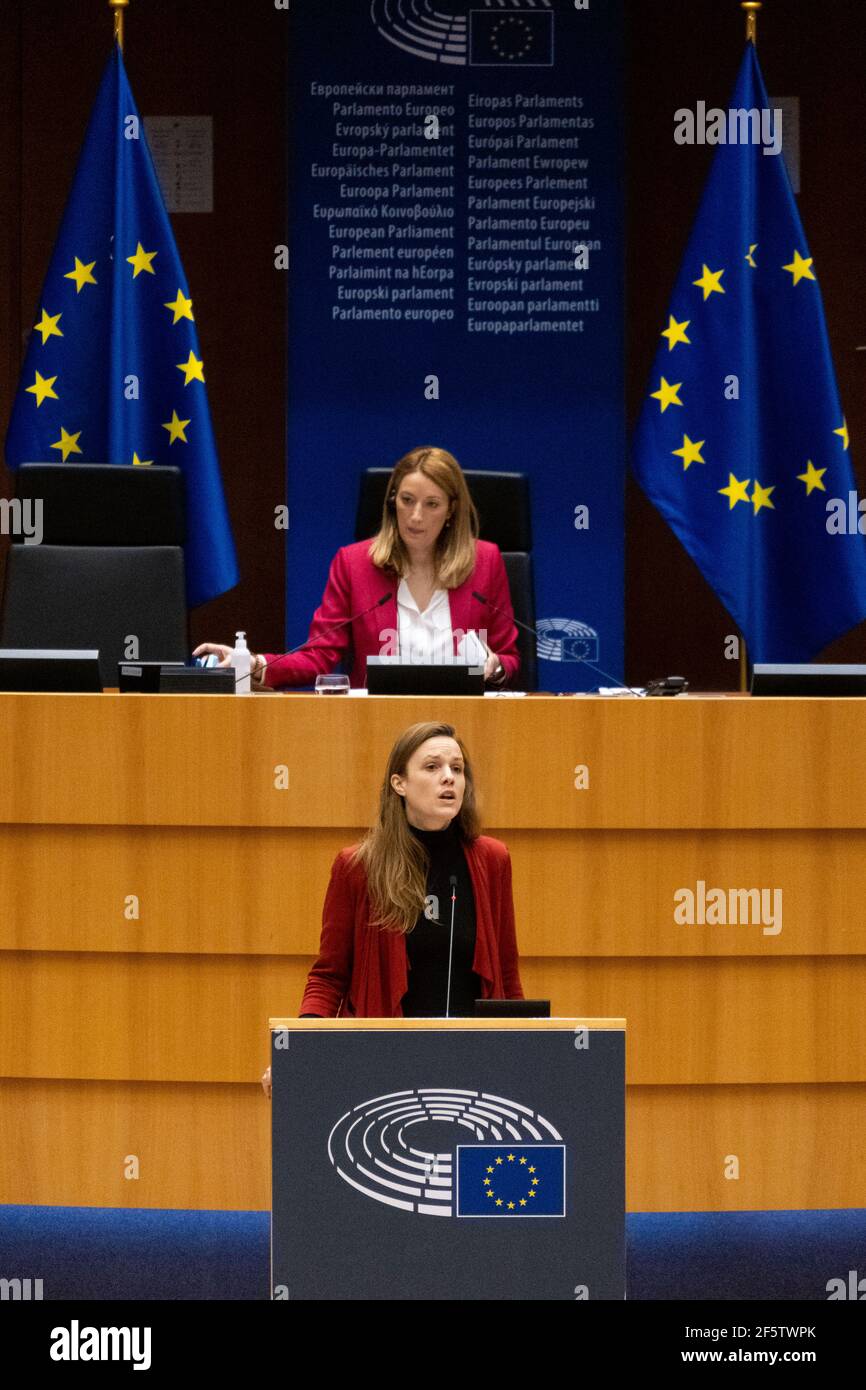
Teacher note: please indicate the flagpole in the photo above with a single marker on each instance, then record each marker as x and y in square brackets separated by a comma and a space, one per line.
[744, 666]
[751, 7]
[117, 7]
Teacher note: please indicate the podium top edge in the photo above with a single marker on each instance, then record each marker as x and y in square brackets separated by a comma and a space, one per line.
[299, 1025]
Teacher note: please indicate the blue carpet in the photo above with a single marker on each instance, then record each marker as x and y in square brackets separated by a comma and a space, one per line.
[105, 1253]
[742, 1254]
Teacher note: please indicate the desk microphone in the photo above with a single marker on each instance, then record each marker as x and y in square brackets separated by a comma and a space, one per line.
[534, 631]
[333, 628]
[453, 881]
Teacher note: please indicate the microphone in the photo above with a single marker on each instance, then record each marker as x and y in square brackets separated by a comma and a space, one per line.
[453, 881]
[482, 598]
[333, 628]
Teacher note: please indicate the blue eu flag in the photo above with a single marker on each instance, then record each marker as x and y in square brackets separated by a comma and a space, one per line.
[113, 371]
[741, 442]
[511, 38]
[503, 1180]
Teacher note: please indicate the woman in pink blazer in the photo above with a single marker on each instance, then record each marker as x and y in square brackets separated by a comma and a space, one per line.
[411, 586]
[418, 920]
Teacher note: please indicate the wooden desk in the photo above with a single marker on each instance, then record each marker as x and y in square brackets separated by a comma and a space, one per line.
[164, 858]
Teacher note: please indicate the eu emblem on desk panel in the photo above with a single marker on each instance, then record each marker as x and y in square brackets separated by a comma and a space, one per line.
[113, 371]
[742, 439]
[448, 1163]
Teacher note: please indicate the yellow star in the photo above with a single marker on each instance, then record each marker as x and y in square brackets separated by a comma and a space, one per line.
[511, 1206]
[709, 282]
[176, 429]
[761, 497]
[532, 1194]
[499, 1160]
[667, 395]
[499, 1201]
[43, 387]
[67, 443]
[532, 1168]
[486, 1181]
[47, 326]
[800, 269]
[143, 463]
[511, 1158]
[812, 478]
[843, 434]
[736, 491]
[690, 452]
[523, 1201]
[490, 1170]
[141, 261]
[181, 307]
[82, 275]
[749, 256]
[676, 332]
[523, 1160]
[535, 1182]
[490, 1192]
[192, 368]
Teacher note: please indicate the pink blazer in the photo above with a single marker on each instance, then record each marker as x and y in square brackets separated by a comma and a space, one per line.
[355, 584]
[363, 971]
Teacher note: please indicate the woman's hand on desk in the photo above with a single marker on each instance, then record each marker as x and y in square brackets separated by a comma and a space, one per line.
[266, 1083]
[257, 662]
[491, 666]
[217, 649]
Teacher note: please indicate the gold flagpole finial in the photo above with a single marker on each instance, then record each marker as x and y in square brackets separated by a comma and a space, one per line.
[117, 7]
[751, 7]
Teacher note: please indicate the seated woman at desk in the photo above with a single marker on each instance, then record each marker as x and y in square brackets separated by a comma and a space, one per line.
[388, 949]
[423, 564]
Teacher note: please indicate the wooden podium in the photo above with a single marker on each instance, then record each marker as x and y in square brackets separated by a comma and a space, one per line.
[446, 1159]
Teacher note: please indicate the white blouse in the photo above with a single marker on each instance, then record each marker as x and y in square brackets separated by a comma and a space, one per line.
[427, 638]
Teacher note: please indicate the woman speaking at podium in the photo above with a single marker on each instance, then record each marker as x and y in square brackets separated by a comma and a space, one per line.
[418, 920]
[414, 580]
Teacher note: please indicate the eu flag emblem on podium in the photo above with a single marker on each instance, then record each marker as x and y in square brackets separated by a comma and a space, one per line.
[501, 1180]
[742, 442]
[113, 371]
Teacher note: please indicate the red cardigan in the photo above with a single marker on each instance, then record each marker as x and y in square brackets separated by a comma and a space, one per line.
[355, 583]
[363, 971]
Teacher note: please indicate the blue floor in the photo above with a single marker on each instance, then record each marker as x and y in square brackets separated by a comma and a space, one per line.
[105, 1253]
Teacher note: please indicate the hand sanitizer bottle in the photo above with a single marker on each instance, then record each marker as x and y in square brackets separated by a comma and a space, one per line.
[241, 662]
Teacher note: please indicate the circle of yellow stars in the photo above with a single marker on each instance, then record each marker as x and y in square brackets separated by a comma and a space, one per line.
[490, 1192]
[509, 29]
[668, 393]
[48, 327]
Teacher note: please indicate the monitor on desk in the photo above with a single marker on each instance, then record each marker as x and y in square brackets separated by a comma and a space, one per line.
[808, 678]
[49, 670]
[386, 675]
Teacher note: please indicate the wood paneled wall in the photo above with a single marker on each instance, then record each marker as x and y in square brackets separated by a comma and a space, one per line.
[160, 903]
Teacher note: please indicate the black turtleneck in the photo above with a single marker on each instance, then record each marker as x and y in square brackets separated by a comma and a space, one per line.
[428, 942]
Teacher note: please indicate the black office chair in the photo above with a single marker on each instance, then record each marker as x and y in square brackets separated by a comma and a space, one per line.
[110, 565]
[502, 501]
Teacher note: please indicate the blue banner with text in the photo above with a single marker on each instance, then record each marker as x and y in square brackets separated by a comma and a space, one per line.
[456, 263]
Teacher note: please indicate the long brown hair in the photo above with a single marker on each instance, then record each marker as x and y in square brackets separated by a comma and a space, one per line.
[395, 860]
[454, 556]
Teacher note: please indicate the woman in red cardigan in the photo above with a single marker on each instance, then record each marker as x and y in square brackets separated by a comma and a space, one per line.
[418, 919]
[408, 591]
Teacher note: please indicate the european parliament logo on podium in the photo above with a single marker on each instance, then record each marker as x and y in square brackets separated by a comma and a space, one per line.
[510, 1180]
